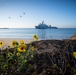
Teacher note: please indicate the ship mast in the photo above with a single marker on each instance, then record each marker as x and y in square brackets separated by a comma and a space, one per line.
[42, 22]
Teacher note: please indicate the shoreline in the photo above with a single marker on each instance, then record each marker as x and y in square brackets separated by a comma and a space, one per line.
[8, 41]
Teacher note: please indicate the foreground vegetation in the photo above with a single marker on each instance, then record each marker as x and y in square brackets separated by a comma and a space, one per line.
[49, 57]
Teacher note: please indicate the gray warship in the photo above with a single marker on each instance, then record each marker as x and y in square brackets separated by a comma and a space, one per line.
[44, 26]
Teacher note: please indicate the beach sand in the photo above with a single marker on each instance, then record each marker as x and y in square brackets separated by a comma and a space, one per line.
[8, 41]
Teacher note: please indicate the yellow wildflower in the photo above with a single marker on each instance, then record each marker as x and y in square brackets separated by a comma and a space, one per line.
[9, 54]
[35, 37]
[18, 54]
[22, 48]
[1, 43]
[32, 48]
[21, 42]
[74, 54]
[14, 43]
[5, 66]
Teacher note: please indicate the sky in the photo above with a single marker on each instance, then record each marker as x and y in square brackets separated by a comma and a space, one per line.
[29, 13]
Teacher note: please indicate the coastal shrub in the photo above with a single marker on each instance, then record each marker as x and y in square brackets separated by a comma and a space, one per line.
[18, 59]
[45, 57]
[55, 57]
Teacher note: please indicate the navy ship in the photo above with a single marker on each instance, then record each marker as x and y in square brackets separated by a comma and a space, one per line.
[44, 26]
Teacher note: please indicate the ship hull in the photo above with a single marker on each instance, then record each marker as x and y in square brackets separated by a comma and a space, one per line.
[41, 27]
[45, 28]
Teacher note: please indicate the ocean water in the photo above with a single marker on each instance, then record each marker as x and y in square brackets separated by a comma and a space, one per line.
[27, 33]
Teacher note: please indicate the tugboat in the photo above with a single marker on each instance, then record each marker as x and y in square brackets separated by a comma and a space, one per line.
[44, 26]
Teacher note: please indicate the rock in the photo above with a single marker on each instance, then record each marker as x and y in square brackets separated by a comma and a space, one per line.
[73, 37]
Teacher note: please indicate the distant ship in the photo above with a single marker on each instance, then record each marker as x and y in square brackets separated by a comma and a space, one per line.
[4, 28]
[44, 26]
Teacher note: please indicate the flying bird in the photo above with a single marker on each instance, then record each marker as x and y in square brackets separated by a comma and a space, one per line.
[24, 13]
[9, 17]
[20, 16]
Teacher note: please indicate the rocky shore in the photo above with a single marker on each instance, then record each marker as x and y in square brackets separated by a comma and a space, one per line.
[73, 37]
